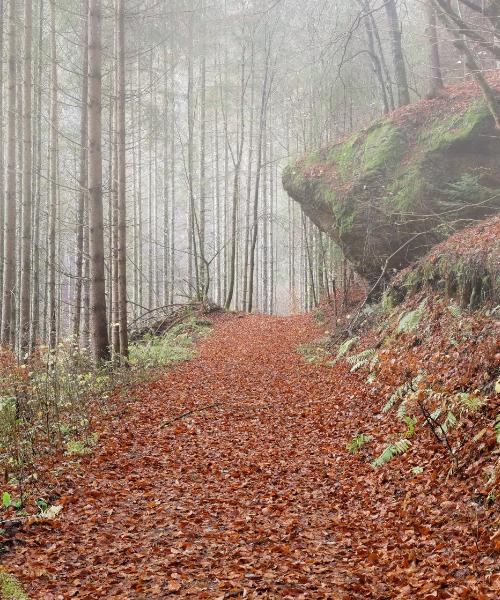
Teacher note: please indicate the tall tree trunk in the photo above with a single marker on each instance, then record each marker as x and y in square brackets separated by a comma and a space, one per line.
[374, 57]
[83, 183]
[27, 182]
[436, 77]
[397, 53]
[99, 326]
[9, 275]
[52, 304]
[255, 225]
[2, 151]
[35, 325]
[122, 205]
[236, 187]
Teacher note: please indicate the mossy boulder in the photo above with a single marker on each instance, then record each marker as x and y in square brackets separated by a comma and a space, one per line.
[389, 193]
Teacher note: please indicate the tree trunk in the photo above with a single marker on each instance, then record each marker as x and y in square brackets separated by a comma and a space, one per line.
[52, 304]
[99, 326]
[9, 275]
[2, 154]
[83, 183]
[397, 53]
[436, 77]
[27, 183]
[122, 206]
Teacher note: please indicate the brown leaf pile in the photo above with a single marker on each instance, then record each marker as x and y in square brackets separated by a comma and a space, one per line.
[253, 493]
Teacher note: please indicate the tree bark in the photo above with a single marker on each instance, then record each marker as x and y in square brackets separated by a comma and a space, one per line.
[99, 326]
[122, 181]
[397, 53]
[9, 275]
[83, 183]
[436, 76]
[54, 125]
[27, 183]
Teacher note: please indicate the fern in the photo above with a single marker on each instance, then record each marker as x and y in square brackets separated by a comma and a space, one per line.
[400, 394]
[410, 423]
[470, 402]
[346, 346]
[355, 445]
[358, 360]
[410, 321]
[455, 310]
[401, 412]
[449, 422]
[399, 447]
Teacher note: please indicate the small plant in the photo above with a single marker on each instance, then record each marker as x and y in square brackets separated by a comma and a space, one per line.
[319, 316]
[346, 346]
[400, 394]
[455, 310]
[6, 500]
[497, 428]
[399, 447]
[355, 445]
[411, 422]
[470, 402]
[10, 588]
[359, 360]
[417, 470]
[313, 353]
[410, 321]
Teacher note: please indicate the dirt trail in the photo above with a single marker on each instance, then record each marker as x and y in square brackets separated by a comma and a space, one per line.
[255, 496]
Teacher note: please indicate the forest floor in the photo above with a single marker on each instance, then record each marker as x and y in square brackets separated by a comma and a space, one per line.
[229, 478]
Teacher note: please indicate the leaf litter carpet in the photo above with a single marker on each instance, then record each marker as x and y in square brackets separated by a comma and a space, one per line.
[251, 495]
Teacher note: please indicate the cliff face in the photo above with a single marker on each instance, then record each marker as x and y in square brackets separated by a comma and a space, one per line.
[389, 193]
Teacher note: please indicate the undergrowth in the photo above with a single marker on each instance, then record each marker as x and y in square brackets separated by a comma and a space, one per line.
[51, 406]
[10, 588]
[434, 366]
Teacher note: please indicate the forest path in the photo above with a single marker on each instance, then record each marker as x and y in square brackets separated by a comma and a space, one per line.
[253, 497]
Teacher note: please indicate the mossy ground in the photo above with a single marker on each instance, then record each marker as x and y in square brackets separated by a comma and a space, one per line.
[10, 587]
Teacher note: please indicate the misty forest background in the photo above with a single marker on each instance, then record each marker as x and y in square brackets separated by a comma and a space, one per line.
[203, 104]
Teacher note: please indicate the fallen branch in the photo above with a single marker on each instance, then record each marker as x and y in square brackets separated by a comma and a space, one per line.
[434, 426]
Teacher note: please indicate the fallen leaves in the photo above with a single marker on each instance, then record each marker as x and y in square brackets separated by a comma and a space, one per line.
[252, 493]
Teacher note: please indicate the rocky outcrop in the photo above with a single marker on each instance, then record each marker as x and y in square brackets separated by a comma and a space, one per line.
[389, 193]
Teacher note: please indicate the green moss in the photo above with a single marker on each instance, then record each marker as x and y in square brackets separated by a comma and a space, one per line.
[444, 132]
[379, 148]
[10, 588]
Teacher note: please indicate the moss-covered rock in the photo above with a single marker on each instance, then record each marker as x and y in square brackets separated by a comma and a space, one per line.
[389, 193]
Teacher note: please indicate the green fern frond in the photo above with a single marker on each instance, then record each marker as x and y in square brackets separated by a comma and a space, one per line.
[400, 394]
[449, 422]
[434, 416]
[455, 310]
[399, 447]
[470, 402]
[355, 445]
[346, 346]
[358, 360]
[401, 412]
[411, 422]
